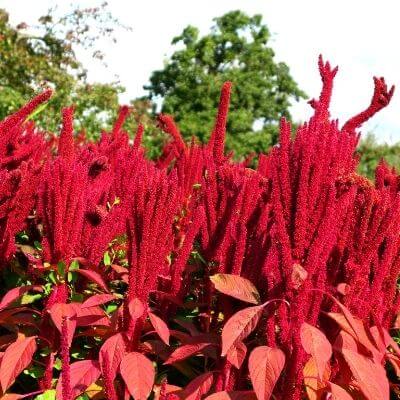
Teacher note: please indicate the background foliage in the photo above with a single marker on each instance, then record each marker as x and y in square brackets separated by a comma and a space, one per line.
[44, 56]
[236, 48]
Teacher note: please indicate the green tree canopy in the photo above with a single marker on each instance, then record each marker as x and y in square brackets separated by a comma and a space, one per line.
[44, 56]
[237, 50]
[371, 153]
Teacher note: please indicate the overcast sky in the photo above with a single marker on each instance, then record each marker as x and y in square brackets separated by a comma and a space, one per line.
[362, 37]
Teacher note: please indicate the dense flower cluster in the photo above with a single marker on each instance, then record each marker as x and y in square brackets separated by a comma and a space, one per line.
[134, 260]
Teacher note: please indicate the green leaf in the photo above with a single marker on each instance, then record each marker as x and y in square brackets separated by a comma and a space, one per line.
[107, 258]
[47, 395]
[61, 268]
[83, 396]
[74, 265]
[52, 277]
[37, 245]
[36, 371]
[110, 308]
[58, 364]
[37, 111]
[77, 297]
[30, 298]
[72, 276]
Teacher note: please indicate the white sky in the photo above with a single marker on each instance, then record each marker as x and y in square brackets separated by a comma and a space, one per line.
[362, 37]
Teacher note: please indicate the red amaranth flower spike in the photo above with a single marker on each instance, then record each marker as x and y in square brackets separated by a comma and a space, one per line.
[138, 137]
[123, 114]
[66, 145]
[217, 140]
[25, 111]
[168, 125]
[327, 75]
[380, 99]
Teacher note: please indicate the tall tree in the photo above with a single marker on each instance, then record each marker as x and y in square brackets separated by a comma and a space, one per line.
[236, 49]
[45, 55]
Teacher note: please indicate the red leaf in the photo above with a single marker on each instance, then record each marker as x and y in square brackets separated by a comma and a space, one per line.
[369, 376]
[237, 287]
[161, 327]
[189, 326]
[239, 326]
[185, 351]
[97, 300]
[315, 343]
[156, 347]
[181, 336]
[237, 354]
[136, 308]
[14, 294]
[138, 374]
[338, 393]
[94, 277]
[112, 350]
[12, 396]
[58, 311]
[352, 325]
[198, 387]
[379, 340]
[344, 341]
[15, 359]
[343, 288]
[119, 269]
[240, 395]
[265, 366]
[298, 276]
[91, 316]
[83, 374]
[315, 388]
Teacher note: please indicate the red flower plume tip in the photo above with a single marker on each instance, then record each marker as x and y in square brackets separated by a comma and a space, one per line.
[124, 111]
[217, 140]
[167, 124]
[380, 99]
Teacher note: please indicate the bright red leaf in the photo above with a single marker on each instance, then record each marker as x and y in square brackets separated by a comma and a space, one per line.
[14, 294]
[265, 366]
[161, 327]
[239, 326]
[82, 374]
[94, 277]
[186, 351]
[352, 325]
[138, 374]
[298, 276]
[198, 387]
[317, 345]
[136, 308]
[97, 300]
[338, 393]
[369, 376]
[68, 311]
[237, 354]
[113, 349]
[239, 395]
[91, 316]
[15, 359]
[237, 287]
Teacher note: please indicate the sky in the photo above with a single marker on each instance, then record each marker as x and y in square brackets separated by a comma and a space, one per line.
[362, 37]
